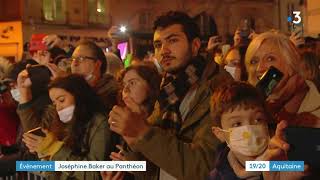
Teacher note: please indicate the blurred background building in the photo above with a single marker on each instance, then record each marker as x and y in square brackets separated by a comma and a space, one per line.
[77, 19]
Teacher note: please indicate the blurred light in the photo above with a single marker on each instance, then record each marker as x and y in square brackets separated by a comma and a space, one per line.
[99, 10]
[123, 29]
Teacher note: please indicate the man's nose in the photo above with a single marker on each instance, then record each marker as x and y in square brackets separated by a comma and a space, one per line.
[74, 62]
[164, 49]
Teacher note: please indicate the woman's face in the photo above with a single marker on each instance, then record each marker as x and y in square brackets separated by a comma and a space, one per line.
[61, 98]
[267, 55]
[135, 89]
[233, 58]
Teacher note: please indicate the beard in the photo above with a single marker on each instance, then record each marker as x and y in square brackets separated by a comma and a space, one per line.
[183, 62]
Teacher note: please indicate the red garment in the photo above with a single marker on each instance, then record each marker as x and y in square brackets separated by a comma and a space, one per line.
[9, 122]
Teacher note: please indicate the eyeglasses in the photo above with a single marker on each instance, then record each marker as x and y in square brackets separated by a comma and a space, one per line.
[82, 58]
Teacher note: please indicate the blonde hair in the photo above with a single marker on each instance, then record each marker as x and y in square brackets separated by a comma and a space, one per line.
[5, 67]
[287, 49]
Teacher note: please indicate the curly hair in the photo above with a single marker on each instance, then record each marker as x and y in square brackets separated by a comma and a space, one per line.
[148, 72]
[190, 28]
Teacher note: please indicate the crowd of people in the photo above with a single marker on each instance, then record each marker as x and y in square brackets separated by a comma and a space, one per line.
[187, 115]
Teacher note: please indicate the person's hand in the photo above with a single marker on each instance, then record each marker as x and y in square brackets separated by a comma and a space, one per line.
[56, 71]
[278, 146]
[113, 33]
[277, 150]
[24, 85]
[127, 123]
[213, 43]
[45, 146]
[133, 106]
[42, 57]
[23, 80]
[110, 175]
[52, 40]
[115, 37]
[32, 141]
[296, 37]
[252, 35]
[117, 156]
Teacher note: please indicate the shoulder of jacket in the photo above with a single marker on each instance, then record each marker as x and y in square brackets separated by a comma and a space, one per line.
[99, 119]
[220, 77]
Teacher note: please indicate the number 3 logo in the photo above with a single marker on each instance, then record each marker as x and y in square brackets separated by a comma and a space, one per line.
[297, 17]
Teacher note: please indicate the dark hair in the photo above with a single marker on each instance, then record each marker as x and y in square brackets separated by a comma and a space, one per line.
[244, 73]
[312, 64]
[149, 73]
[38, 87]
[57, 54]
[190, 28]
[87, 105]
[20, 66]
[233, 95]
[98, 53]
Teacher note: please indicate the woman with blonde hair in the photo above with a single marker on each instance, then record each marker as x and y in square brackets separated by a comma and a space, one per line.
[294, 99]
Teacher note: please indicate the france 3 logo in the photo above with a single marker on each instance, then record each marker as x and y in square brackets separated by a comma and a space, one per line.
[297, 17]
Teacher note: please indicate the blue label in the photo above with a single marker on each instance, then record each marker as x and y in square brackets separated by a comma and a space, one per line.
[35, 166]
[286, 166]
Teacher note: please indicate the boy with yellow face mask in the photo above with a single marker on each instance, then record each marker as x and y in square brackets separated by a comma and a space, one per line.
[240, 122]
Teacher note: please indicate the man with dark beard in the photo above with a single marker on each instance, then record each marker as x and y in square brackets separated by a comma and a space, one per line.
[176, 138]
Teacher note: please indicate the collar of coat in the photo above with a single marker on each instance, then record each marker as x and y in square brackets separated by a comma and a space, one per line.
[211, 78]
[199, 107]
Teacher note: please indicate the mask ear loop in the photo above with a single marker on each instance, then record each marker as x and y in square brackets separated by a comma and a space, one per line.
[226, 131]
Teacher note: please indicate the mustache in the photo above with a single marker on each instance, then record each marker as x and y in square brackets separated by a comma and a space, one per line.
[167, 57]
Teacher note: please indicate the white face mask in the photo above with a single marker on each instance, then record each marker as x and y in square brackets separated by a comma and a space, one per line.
[15, 93]
[66, 114]
[89, 77]
[231, 70]
[249, 140]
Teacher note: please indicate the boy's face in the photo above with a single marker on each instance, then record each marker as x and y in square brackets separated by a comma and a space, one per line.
[240, 116]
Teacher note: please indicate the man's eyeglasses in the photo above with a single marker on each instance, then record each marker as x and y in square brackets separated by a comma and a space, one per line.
[82, 58]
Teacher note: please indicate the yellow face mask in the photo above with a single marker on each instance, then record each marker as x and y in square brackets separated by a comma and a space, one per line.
[248, 140]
